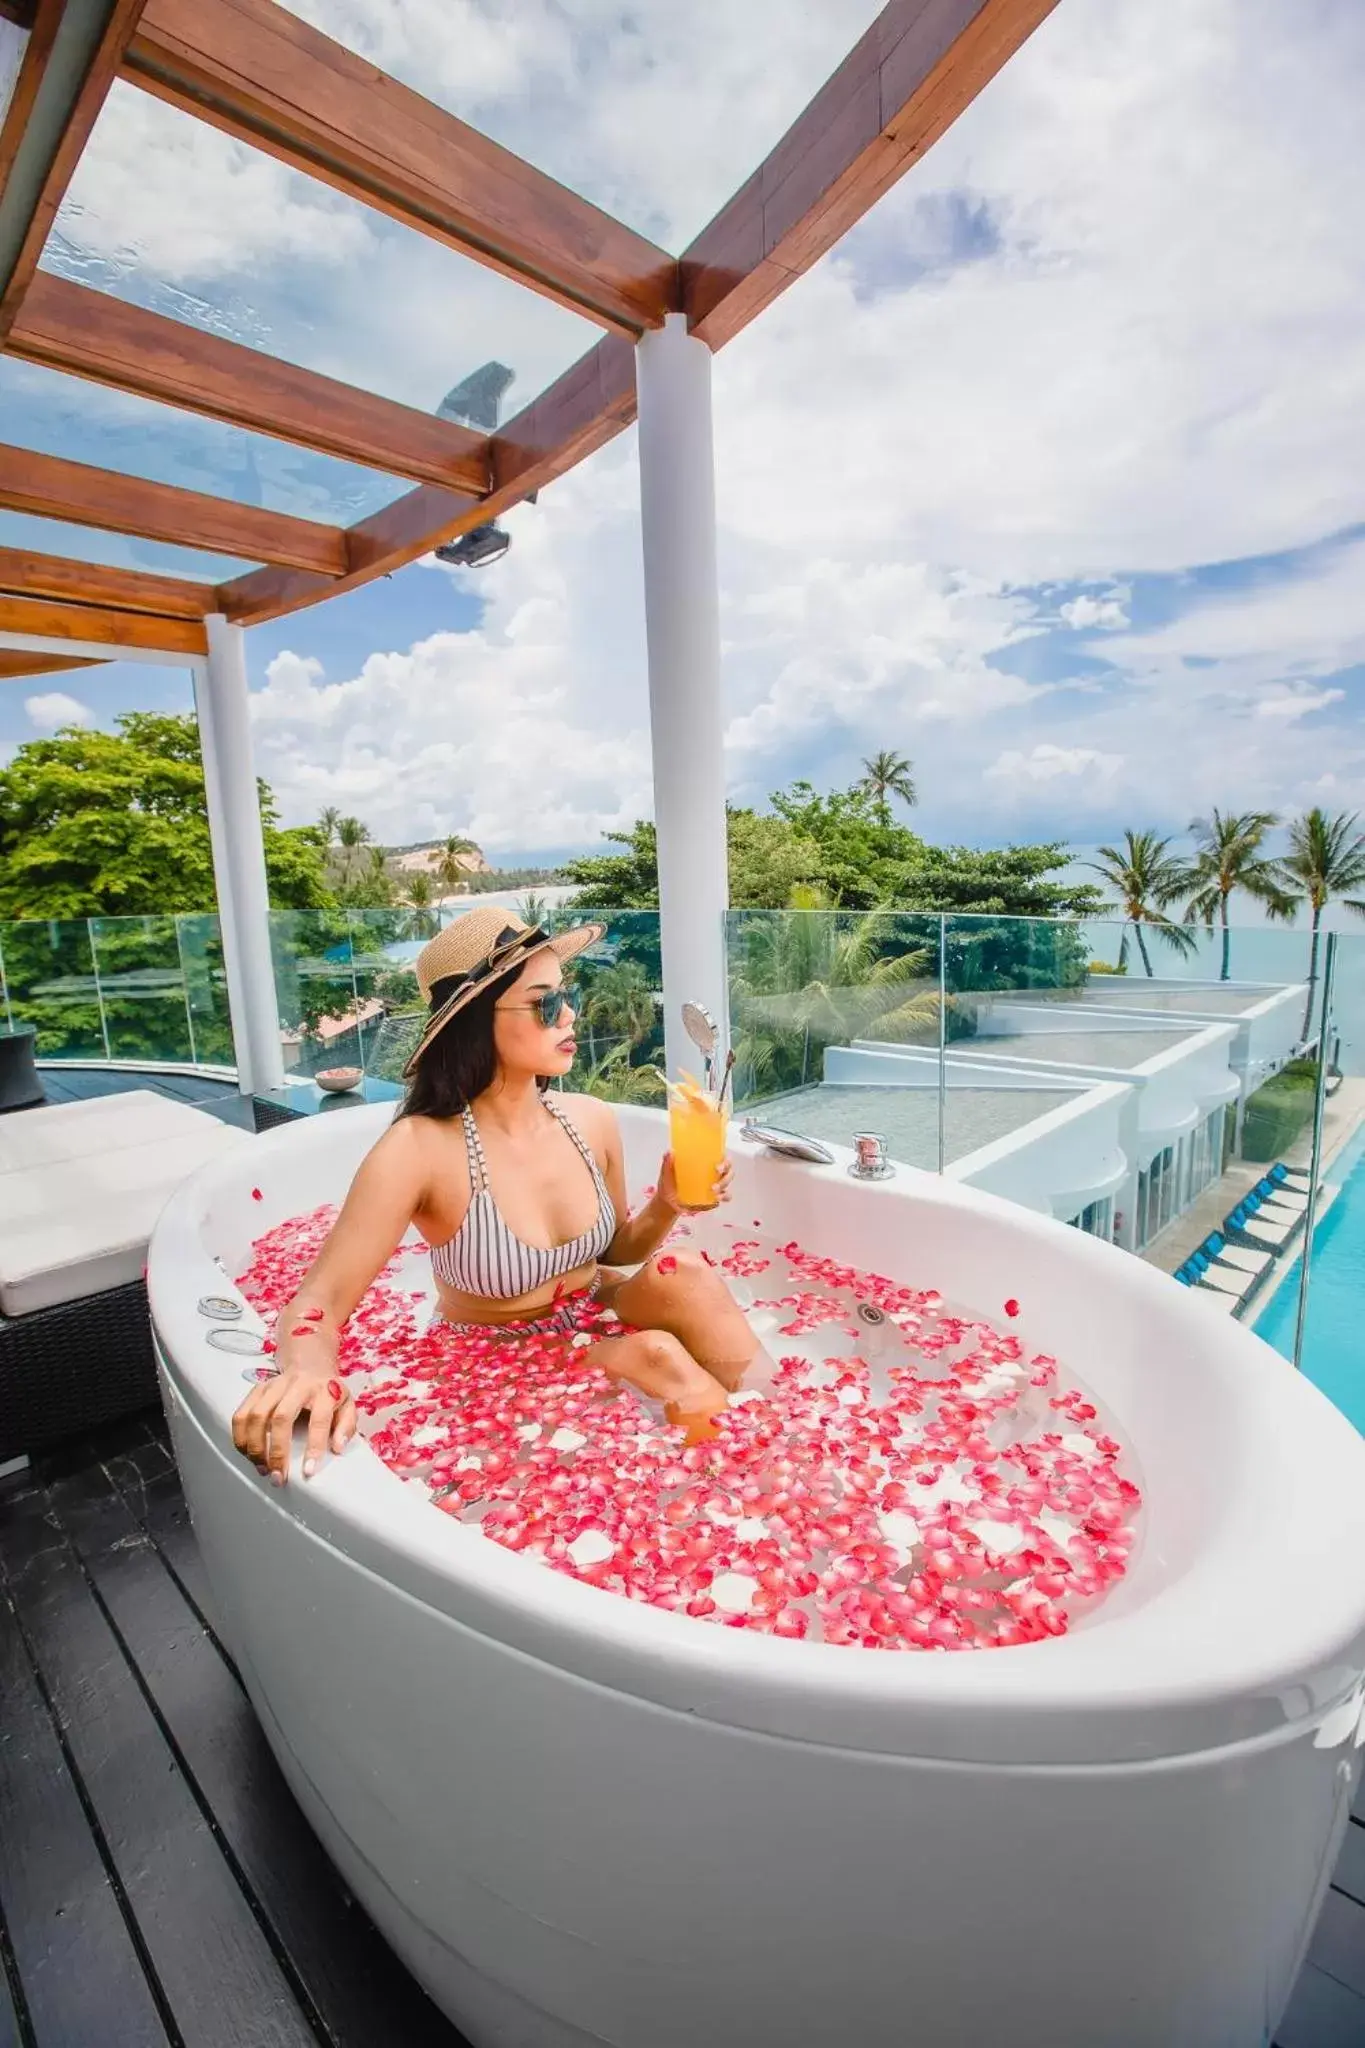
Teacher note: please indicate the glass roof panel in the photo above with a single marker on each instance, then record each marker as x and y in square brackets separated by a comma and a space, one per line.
[656, 110]
[61, 415]
[170, 214]
[13, 42]
[116, 550]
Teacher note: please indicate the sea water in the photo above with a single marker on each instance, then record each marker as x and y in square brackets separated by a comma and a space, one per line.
[898, 1471]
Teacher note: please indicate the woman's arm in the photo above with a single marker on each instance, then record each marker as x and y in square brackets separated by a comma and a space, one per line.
[386, 1193]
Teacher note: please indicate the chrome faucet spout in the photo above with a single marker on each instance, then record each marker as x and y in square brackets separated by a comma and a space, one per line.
[787, 1144]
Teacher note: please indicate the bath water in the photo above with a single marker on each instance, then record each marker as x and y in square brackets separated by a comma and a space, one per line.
[898, 1472]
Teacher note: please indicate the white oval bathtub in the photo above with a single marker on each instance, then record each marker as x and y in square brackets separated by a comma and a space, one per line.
[579, 1819]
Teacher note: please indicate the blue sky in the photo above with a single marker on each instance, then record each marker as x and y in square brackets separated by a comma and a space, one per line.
[1051, 477]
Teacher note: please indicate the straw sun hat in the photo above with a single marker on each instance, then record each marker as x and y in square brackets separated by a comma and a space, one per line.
[476, 949]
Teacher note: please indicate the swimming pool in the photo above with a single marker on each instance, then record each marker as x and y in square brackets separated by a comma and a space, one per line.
[1333, 1355]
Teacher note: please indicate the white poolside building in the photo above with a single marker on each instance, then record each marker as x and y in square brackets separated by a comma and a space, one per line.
[1111, 1107]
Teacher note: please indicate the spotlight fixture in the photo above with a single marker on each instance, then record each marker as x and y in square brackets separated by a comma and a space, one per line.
[482, 544]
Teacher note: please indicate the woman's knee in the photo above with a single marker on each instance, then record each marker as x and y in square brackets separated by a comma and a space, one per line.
[668, 1362]
[679, 1277]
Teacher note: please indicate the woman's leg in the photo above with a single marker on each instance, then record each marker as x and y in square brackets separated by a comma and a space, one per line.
[660, 1366]
[678, 1292]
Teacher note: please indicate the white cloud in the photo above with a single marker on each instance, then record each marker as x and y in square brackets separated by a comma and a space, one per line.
[528, 732]
[172, 198]
[1048, 763]
[1106, 332]
[1085, 612]
[1309, 620]
[1298, 702]
[54, 709]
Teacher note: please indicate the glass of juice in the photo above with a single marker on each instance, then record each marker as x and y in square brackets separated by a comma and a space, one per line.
[696, 1136]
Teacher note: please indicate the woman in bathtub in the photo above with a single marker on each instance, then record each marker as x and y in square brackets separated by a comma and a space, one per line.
[521, 1195]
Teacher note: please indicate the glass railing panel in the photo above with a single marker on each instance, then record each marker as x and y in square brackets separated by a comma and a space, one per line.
[618, 988]
[142, 990]
[384, 949]
[836, 1018]
[206, 992]
[1312, 1316]
[315, 990]
[50, 982]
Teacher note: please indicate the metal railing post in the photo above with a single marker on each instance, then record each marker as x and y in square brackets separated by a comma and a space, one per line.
[1310, 1214]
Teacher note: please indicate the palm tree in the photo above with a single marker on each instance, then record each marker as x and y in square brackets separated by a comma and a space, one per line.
[619, 1003]
[533, 909]
[1147, 879]
[351, 836]
[1326, 857]
[887, 774]
[418, 895]
[1229, 857]
[450, 870]
[328, 820]
[821, 978]
[616, 1080]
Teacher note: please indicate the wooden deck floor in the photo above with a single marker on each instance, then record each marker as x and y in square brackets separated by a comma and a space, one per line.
[158, 1886]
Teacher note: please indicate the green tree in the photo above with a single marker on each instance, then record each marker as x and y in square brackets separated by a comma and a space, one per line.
[862, 856]
[615, 1079]
[1326, 859]
[769, 860]
[1228, 857]
[838, 845]
[450, 869]
[328, 820]
[805, 980]
[351, 837]
[887, 774]
[768, 857]
[619, 881]
[365, 885]
[1001, 881]
[116, 824]
[418, 896]
[619, 1002]
[1147, 878]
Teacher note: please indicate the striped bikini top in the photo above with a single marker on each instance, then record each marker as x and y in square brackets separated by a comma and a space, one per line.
[484, 1258]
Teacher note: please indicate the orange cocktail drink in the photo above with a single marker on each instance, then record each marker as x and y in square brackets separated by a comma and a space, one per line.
[696, 1136]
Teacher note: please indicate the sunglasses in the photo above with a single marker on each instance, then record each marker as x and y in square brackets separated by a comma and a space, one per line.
[549, 1007]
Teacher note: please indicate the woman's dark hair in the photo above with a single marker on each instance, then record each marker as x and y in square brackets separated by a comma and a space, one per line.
[460, 1063]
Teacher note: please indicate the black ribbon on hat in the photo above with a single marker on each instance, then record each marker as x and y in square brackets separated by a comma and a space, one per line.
[509, 939]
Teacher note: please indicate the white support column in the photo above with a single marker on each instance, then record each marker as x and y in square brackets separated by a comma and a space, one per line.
[682, 621]
[223, 707]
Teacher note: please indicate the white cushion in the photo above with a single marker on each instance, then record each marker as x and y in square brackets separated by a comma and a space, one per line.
[80, 1195]
[78, 1130]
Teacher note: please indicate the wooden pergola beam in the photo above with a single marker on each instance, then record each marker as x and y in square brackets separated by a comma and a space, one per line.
[43, 620]
[54, 488]
[72, 59]
[15, 664]
[264, 76]
[581, 410]
[918, 67]
[259, 73]
[24, 573]
[88, 333]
